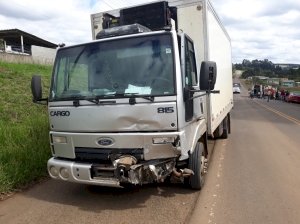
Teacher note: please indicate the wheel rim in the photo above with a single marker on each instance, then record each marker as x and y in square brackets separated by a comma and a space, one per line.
[202, 169]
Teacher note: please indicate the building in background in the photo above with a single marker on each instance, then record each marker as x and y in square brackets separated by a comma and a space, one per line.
[287, 66]
[288, 83]
[18, 45]
[273, 81]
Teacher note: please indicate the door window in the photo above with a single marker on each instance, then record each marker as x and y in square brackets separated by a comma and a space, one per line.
[190, 63]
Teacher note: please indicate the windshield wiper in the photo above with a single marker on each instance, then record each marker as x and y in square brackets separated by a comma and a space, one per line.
[123, 95]
[76, 99]
[150, 98]
[96, 100]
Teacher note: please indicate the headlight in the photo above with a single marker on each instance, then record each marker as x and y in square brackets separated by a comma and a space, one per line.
[53, 171]
[59, 139]
[163, 140]
[64, 173]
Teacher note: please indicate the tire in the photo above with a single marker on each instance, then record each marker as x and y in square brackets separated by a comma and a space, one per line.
[229, 123]
[196, 163]
[217, 132]
[225, 128]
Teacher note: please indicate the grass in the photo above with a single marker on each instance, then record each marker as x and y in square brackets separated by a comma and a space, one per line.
[24, 141]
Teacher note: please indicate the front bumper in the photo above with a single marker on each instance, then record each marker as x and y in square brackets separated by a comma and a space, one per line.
[123, 170]
[77, 172]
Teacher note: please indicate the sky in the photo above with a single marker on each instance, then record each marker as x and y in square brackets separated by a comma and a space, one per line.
[259, 29]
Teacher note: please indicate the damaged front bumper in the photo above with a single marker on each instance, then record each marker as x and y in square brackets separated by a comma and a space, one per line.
[123, 170]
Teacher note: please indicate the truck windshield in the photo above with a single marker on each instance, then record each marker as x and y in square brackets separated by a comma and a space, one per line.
[130, 66]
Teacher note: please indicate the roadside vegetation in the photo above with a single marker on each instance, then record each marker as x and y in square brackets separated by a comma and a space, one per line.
[268, 69]
[251, 70]
[24, 146]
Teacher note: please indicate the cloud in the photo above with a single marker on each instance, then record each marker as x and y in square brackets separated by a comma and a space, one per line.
[262, 29]
[57, 21]
[258, 29]
[274, 8]
[20, 10]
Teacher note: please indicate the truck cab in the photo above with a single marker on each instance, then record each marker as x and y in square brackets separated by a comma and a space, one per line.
[130, 107]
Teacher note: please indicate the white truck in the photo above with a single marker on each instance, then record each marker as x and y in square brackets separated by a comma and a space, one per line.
[137, 104]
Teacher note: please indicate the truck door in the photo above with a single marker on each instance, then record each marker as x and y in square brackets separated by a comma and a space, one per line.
[189, 71]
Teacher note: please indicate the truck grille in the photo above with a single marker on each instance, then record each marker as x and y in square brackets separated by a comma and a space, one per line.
[104, 154]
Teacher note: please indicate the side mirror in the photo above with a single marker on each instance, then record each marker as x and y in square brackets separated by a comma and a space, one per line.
[208, 75]
[36, 88]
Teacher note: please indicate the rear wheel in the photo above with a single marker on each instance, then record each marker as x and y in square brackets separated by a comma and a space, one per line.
[196, 163]
[225, 128]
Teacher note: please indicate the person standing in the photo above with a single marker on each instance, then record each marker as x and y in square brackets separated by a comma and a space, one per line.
[282, 94]
[269, 94]
[287, 93]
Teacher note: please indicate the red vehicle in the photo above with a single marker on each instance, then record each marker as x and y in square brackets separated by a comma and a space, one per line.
[293, 97]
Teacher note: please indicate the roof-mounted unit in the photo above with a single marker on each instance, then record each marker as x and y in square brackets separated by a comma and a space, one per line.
[122, 30]
[110, 21]
[155, 16]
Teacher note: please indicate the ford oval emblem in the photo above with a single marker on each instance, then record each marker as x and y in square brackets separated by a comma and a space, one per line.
[105, 141]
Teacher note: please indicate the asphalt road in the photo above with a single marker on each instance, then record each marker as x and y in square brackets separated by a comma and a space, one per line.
[253, 177]
[61, 202]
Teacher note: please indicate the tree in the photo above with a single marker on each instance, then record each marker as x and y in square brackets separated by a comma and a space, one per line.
[246, 63]
[266, 68]
[247, 73]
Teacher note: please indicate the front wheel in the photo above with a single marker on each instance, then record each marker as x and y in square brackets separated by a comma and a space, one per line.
[197, 164]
